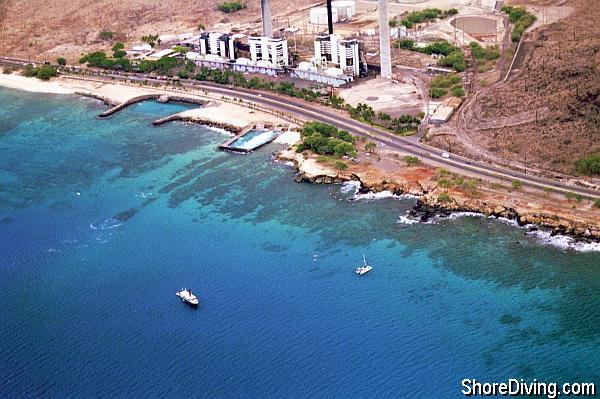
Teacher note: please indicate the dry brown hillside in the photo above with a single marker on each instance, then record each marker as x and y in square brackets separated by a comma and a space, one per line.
[557, 80]
[45, 29]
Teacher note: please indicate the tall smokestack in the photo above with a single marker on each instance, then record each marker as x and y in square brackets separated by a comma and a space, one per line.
[329, 17]
[267, 25]
[385, 57]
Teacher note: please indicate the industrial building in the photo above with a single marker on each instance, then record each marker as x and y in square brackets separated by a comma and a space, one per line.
[266, 51]
[343, 53]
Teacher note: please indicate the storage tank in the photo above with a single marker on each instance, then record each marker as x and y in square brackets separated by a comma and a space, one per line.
[345, 8]
[307, 66]
[318, 15]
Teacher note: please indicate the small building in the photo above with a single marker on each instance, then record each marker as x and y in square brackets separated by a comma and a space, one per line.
[271, 52]
[161, 54]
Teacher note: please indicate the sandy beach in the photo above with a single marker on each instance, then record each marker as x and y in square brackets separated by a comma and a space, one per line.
[217, 110]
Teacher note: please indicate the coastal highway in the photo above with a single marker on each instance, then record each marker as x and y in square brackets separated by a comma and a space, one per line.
[310, 111]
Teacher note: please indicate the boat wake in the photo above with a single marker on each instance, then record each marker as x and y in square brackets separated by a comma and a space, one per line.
[107, 224]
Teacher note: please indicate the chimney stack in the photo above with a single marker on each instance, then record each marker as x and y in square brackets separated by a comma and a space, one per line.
[267, 25]
[329, 17]
[385, 56]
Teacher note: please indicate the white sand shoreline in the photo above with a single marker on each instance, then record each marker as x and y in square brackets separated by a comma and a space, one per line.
[216, 110]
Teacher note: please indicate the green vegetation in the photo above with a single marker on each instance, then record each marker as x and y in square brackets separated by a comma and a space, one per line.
[361, 112]
[324, 139]
[516, 184]
[453, 56]
[442, 172]
[181, 49]
[201, 26]
[455, 60]
[61, 61]
[417, 17]
[481, 53]
[98, 59]
[7, 70]
[570, 196]
[44, 72]
[152, 40]
[521, 20]
[370, 146]
[106, 35]
[439, 86]
[485, 57]
[444, 197]
[437, 92]
[589, 165]
[597, 203]
[119, 54]
[411, 161]
[118, 46]
[340, 165]
[231, 6]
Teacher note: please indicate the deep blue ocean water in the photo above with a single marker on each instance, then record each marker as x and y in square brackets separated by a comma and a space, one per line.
[102, 221]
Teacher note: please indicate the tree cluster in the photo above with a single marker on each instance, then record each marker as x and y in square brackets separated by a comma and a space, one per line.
[324, 139]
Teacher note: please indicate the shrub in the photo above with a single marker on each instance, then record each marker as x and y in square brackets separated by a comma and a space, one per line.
[521, 20]
[444, 197]
[516, 184]
[231, 6]
[455, 60]
[119, 54]
[437, 92]
[106, 35]
[152, 40]
[339, 165]
[597, 203]
[406, 44]
[45, 72]
[201, 26]
[458, 91]
[118, 46]
[589, 165]
[411, 161]
[181, 49]
[61, 61]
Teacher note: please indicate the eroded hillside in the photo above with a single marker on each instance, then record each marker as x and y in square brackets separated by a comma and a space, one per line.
[50, 28]
[548, 113]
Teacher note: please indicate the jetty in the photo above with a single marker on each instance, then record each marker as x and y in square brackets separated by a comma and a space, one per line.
[163, 98]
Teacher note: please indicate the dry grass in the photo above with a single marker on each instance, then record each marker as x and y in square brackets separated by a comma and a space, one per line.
[559, 77]
[47, 29]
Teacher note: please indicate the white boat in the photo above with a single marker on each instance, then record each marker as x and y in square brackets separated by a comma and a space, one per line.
[187, 297]
[366, 268]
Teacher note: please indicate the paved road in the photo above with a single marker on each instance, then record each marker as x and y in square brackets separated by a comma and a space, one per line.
[309, 111]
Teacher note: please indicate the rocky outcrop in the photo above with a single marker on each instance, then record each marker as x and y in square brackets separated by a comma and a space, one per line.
[430, 201]
[559, 224]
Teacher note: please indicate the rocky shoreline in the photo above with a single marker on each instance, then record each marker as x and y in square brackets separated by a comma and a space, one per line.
[429, 205]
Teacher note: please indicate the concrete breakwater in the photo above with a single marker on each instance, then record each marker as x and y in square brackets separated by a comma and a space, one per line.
[158, 97]
[194, 119]
[98, 97]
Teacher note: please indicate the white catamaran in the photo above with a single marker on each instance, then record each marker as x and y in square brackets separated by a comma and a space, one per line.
[364, 269]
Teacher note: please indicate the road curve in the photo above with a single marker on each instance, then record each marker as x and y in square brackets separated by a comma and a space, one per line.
[306, 111]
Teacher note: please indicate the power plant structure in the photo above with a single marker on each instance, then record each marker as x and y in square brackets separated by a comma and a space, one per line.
[385, 56]
[267, 24]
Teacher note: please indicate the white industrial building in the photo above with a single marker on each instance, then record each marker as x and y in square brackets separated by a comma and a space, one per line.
[219, 44]
[269, 52]
[345, 53]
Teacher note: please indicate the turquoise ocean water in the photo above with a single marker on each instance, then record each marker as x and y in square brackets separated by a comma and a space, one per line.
[102, 221]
